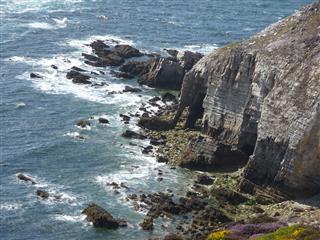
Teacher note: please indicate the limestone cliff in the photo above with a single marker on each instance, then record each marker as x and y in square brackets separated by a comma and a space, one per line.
[261, 98]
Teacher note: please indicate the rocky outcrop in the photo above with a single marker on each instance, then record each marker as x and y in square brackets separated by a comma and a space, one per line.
[160, 72]
[163, 73]
[261, 98]
[101, 218]
[105, 56]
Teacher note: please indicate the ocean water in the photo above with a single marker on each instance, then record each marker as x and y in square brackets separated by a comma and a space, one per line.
[38, 116]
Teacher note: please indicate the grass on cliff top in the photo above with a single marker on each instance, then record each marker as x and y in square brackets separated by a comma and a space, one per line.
[295, 232]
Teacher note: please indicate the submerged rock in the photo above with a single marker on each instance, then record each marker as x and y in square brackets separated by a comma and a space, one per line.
[100, 217]
[35, 75]
[26, 178]
[83, 123]
[42, 194]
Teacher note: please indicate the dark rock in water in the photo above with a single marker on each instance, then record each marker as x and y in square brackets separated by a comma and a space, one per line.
[121, 75]
[134, 68]
[99, 84]
[187, 59]
[26, 178]
[83, 123]
[132, 134]
[103, 120]
[35, 75]
[229, 196]
[147, 150]
[100, 217]
[122, 223]
[78, 69]
[108, 60]
[125, 117]
[204, 180]
[90, 57]
[162, 159]
[43, 194]
[98, 46]
[114, 185]
[172, 52]
[168, 97]
[147, 224]
[54, 66]
[154, 99]
[154, 123]
[78, 77]
[163, 73]
[131, 89]
[127, 51]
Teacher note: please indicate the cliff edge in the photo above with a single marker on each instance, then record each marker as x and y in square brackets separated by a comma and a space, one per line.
[259, 101]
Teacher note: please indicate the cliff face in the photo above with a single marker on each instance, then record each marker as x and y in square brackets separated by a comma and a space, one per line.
[261, 98]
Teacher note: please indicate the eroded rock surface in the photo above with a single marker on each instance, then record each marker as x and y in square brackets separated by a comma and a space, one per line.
[261, 98]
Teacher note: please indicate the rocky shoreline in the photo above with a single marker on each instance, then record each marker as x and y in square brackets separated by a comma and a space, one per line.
[229, 122]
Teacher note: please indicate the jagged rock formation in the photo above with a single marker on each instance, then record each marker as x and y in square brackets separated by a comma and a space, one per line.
[160, 72]
[261, 98]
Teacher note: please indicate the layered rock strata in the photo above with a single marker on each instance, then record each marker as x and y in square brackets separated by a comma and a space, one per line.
[261, 98]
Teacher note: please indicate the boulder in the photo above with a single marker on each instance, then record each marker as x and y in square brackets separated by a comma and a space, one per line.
[100, 217]
[127, 51]
[154, 123]
[42, 194]
[228, 196]
[134, 68]
[78, 77]
[154, 99]
[98, 46]
[172, 52]
[147, 150]
[54, 66]
[132, 134]
[35, 75]
[121, 75]
[83, 123]
[103, 120]
[131, 89]
[188, 59]
[26, 178]
[147, 224]
[77, 69]
[125, 118]
[204, 179]
[163, 73]
[169, 97]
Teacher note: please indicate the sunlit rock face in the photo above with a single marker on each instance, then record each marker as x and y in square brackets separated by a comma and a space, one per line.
[260, 100]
